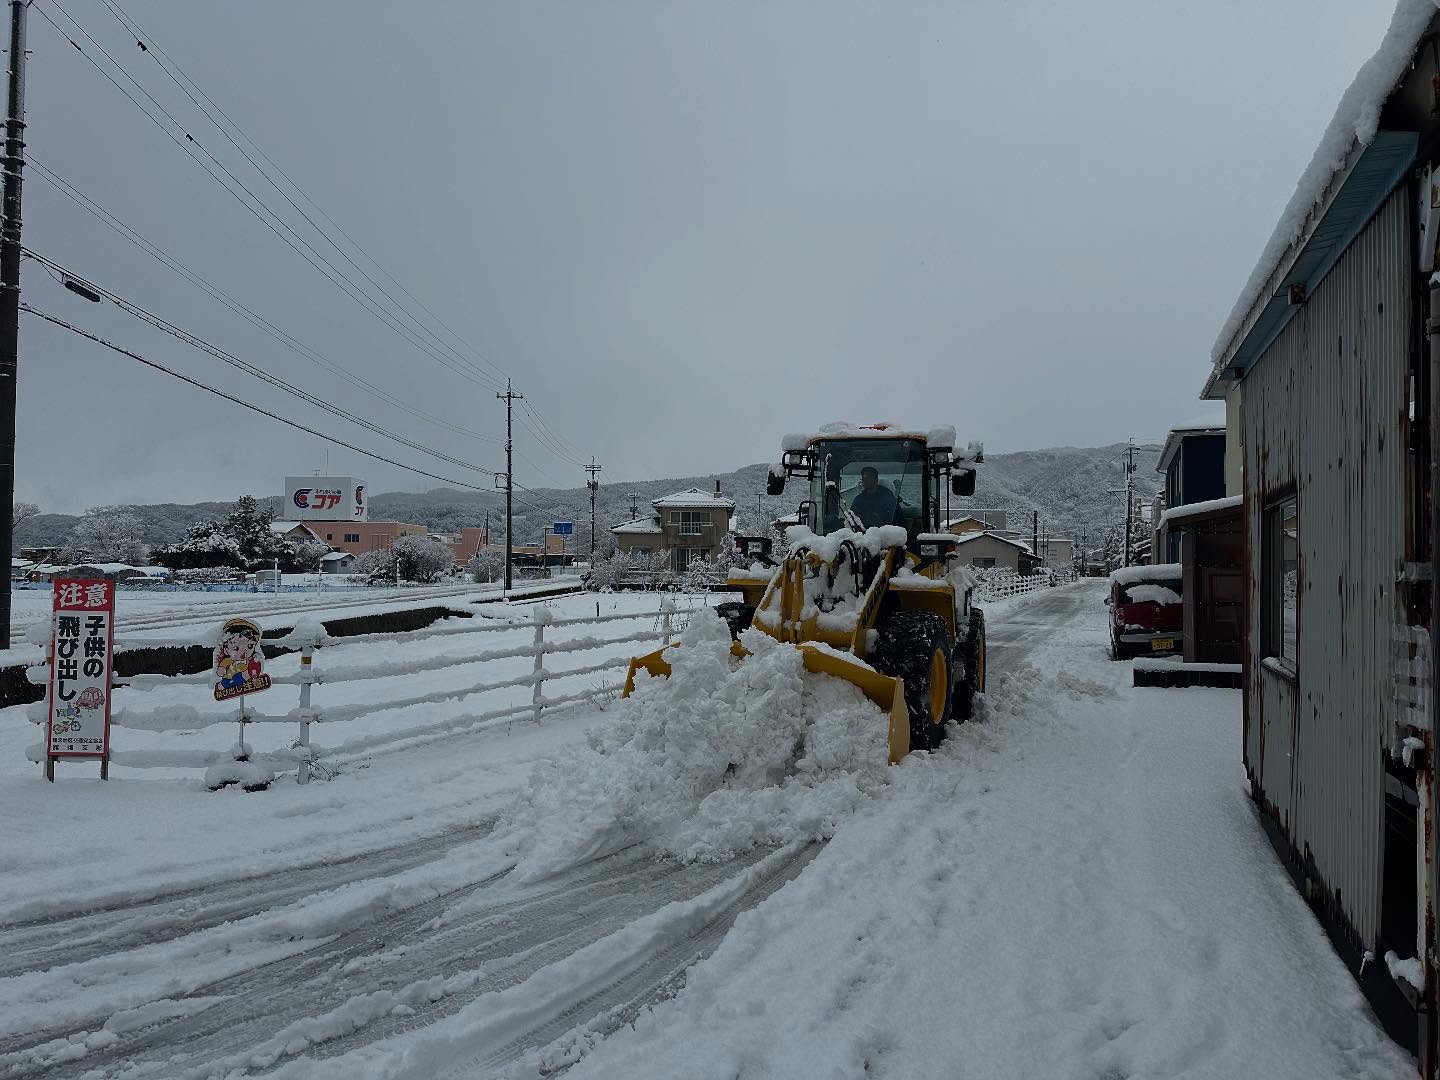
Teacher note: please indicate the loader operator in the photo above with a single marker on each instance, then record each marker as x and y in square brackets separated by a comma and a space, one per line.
[874, 505]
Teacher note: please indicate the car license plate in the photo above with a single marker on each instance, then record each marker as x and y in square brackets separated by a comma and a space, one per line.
[1161, 643]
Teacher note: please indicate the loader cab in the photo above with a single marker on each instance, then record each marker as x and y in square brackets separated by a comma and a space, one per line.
[868, 483]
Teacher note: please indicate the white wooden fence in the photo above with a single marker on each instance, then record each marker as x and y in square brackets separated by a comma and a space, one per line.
[1002, 584]
[239, 765]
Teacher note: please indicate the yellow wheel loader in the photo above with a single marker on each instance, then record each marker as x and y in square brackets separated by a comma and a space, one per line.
[870, 588]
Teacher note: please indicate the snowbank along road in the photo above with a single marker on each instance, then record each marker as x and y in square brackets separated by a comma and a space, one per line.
[722, 879]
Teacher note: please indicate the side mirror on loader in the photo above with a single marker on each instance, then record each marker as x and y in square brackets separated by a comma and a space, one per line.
[963, 483]
[774, 485]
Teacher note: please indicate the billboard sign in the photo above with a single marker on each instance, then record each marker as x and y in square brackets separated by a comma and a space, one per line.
[563, 528]
[325, 498]
[239, 663]
[82, 645]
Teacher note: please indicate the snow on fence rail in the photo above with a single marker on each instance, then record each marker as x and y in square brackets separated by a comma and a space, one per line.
[1001, 584]
[240, 765]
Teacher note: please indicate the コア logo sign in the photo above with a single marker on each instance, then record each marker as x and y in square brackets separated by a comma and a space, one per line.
[316, 498]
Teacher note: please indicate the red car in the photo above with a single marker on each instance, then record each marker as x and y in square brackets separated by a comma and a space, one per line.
[1146, 610]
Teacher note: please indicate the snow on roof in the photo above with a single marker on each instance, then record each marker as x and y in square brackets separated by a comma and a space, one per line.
[1210, 506]
[1135, 575]
[1213, 417]
[693, 498]
[844, 429]
[639, 527]
[1178, 433]
[106, 567]
[1354, 125]
[969, 537]
[336, 556]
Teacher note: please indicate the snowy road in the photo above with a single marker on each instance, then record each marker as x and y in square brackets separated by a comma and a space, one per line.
[1074, 888]
[409, 969]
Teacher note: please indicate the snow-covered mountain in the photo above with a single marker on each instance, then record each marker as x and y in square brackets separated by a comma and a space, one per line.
[1070, 488]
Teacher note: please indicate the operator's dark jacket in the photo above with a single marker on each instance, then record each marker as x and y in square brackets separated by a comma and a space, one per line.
[875, 507]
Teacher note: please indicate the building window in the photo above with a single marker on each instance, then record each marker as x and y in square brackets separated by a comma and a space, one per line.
[1282, 579]
[983, 563]
[329, 536]
[689, 522]
[352, 538]
[681, 558]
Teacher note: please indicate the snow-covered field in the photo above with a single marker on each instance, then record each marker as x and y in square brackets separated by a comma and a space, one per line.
[142, 615]
[717, 878]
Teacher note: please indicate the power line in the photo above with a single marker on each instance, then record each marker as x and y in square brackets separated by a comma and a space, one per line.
[257, 207]
[114, 223]
[200, 343]
[207, 105]
[566, 449]
[441, 350]
[187, 85]
[240, 401]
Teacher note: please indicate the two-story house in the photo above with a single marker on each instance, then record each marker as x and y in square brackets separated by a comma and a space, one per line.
[690, 524]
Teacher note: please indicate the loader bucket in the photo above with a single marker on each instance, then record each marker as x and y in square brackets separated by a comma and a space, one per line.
[887, 692]
[653, 662]
[656, 664]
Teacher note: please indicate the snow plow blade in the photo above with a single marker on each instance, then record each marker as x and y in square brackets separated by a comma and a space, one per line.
[887, 692]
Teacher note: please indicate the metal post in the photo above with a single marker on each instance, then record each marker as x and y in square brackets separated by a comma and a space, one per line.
[667, 609]
[307, 675]
[242, 753]
[14, 162]
[536, 696]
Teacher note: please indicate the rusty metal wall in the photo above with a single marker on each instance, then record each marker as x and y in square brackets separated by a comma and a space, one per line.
[1325, 411]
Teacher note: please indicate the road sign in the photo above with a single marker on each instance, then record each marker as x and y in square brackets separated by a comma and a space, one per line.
[239, 663]
[563, 528]
[81, 646]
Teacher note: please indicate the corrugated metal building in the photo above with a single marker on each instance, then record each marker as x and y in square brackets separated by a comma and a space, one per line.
[1326, 372]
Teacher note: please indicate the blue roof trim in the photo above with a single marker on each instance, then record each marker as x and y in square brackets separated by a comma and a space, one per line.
[1381, 166]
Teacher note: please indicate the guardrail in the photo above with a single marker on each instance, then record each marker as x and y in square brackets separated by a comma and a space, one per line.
[241, 765]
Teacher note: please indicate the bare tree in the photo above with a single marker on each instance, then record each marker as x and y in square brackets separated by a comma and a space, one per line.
[22, 512]
[487, 565]
[659, 567]
[409, 558]
[108, 534]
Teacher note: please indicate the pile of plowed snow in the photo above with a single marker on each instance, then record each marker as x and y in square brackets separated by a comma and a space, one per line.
[721, 757]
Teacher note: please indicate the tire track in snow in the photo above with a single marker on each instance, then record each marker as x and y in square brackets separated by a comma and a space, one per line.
[74, 936]
[481, 938]
[659, 976]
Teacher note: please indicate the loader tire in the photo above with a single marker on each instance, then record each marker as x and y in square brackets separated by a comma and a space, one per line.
[915, 646]
[970, 681]
[737, 616]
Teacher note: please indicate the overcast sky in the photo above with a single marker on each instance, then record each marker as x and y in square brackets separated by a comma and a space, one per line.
[683, 229]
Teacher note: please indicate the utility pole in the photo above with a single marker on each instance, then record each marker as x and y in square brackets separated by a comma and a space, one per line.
[1129, 493]
[593, 483]
[1035, 532]
[13, 161]
[487, 528]
[509, 397]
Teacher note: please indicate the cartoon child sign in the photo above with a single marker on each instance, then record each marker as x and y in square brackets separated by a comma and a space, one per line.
[239, 663]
